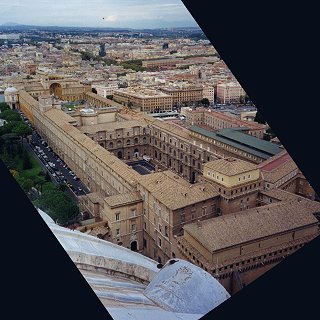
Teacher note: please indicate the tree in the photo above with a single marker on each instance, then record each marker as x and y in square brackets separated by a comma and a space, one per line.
[62, 187]
[9, 115]
[47, 177]
[38, 182]
[22, 130]
[4, 106]
[205, 101]
[10, 140]
[7, 128]
[25, 183]
[58, 205]
[26, 163]
[14, 173]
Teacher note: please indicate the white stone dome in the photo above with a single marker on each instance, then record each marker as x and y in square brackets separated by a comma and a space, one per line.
[10, 90]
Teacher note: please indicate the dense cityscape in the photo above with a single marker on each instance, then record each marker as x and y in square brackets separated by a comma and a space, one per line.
[145, 139]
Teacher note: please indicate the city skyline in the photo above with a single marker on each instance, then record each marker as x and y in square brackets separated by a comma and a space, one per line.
[133, 14]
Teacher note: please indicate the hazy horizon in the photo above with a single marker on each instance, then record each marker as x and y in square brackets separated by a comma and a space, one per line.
[134, 14]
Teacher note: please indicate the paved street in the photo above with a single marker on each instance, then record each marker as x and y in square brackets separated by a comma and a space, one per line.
[58, 170]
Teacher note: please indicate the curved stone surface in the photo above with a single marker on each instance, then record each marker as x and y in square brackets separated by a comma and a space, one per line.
[131, 286]
[184, 287]
[10, 90]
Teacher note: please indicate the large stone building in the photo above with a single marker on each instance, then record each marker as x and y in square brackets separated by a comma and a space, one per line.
[161, 63]
[218, 120]
[147, 211]
[184, 94]
[145, 100]
[234, 142]
[169, 203]
[238, 181]
[230, 92]
[238, 248]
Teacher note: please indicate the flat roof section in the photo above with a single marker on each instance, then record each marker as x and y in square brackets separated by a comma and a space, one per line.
[241, 141]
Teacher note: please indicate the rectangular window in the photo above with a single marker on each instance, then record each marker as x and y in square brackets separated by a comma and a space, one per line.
[166, 230]
[133, 212]
[117, 216]
[133, 227]
[159, 242]
[117, 232]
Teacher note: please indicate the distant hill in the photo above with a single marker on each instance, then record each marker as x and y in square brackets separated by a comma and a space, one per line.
[11, 24]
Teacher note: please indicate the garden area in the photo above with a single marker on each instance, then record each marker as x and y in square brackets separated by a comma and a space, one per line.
[28, 172]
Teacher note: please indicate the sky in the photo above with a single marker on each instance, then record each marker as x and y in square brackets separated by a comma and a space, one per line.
[97, 13]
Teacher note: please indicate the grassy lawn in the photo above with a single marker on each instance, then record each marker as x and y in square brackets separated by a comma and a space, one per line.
[35, 170]
[70, 106]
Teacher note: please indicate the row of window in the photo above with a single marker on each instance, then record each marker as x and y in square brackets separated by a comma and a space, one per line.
[133, 213]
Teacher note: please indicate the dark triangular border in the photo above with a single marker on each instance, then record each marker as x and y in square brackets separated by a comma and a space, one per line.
[271, 50]
[38, 279]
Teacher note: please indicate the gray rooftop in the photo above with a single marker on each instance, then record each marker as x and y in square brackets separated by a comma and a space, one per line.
[240, 140]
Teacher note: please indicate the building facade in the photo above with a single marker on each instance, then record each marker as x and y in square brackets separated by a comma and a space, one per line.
[229, 92]
[147, 213]
[144, 100]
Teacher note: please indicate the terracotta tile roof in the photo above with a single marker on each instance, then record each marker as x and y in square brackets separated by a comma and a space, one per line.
[112, 126]
[108, 159]
[104, 100]
[175, 192]
[280, 194]
[230, 166]
[279, 172]
[94, 197]
[242, 227]
[172, 129]
[123, 199]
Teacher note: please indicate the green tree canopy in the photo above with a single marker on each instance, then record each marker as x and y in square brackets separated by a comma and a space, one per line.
[4, 106]
[25, 183]
[205, 101]
[58, 205]
[22, 130]
[9, 115]
[26, 162]
[7, 128]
